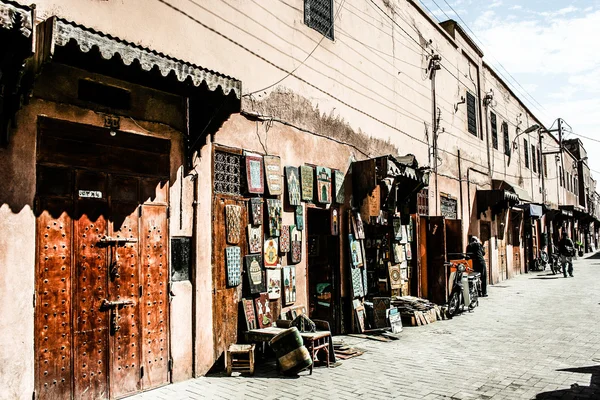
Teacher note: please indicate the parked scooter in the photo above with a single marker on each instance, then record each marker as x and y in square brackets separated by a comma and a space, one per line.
[555, 266]
[466, 287]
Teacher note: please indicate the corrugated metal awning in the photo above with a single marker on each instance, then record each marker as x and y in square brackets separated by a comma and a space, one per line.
[522, 193]
[14, 16]
[56, 32]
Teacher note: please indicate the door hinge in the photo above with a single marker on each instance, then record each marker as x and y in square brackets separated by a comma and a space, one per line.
[141, 372]
[34, 300]
[141, 290]
[170, 365]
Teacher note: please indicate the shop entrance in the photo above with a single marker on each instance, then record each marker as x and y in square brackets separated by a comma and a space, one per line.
[102, 264]
[323, 268]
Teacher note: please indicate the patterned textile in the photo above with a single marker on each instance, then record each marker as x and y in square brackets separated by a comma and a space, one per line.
[324, 185]
[271, 253]
[284, 239]
[255, 239]
[296, 245]
[255, 272]
[232, 255]
[273, 174]
[275, 213]
[307, 182]
[256, 209]
[357, 285]
[233, 221]
[395, 277]
[300, 217]
[255, 174]
[293, 184]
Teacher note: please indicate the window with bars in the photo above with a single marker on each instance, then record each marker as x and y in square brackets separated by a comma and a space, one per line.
[539, 160]
[227, 177]
[545, 167]
[560, 176]
[533, 163]
[423, 202]
[494, 130]
[318, 14]
[506, 138]
[471, 114]
[568, 181]
[526, 152]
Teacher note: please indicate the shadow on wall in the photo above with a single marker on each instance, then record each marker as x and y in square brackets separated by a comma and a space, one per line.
[576, 391]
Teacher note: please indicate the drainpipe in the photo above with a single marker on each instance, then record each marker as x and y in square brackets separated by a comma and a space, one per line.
[434, 65]
[460, 185]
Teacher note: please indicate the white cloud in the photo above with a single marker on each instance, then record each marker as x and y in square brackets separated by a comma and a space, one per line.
[516, 7]
[496, 3]
[558, 13]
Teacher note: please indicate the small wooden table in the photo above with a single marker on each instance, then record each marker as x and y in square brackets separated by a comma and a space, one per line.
[314, 341]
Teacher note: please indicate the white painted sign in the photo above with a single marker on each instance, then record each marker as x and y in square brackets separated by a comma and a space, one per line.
[90, 194]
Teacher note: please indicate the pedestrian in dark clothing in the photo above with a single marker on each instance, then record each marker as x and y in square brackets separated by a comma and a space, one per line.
[566, 250]
[476, 251]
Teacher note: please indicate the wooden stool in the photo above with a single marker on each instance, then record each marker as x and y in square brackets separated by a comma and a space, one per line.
[240, 358]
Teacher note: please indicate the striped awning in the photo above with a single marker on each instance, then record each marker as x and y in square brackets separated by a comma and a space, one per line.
[56, 32]
[14, 16]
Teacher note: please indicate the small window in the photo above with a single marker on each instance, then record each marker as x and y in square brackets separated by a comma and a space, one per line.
[560, 176]
[539, 160]
[471, 114]
[533, 163]
[526, 152]
[494, 131]
[568, 181]
[318, 14]
[227, 174]
[545, 167]
[506, 138]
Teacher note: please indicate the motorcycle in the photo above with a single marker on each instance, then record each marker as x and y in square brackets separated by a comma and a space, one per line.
[466, 286]
[555, 266]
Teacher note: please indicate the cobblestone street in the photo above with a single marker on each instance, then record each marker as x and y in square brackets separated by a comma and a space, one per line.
[535, 336]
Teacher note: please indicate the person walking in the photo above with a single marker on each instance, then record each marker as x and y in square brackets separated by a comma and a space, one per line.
[476, 251]
[566, 250]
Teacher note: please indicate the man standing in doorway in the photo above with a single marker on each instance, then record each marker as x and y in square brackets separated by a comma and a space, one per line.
[476, 251]
[567, 250]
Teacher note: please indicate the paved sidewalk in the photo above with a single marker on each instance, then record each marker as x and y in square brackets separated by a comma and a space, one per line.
[536, 336]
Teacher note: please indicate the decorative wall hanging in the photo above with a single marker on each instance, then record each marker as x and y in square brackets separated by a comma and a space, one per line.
[296, 245]
[293, 184]
[395, 319]
[234, 270]
[255, 239]
[255, 174]
[399, 255]
[355, 252]
[357, 226]
[233, 223]
[255, 272]
[263, 311]
[404, 239]
[324, 185]
[227, 174]
[397, 224]
[335, 221]
[274, 283]
[307, 182]
[300, 217]
[289, 284]
[284, 239]
[380, 309]
[357, 286]
[249, 314]
[359, 313]
[271, 253]
[409, 231]
[273, 174]
[338, 182]
[274, 210]
[364, 281]
[256, 210]
[408, 252]
[395, 277]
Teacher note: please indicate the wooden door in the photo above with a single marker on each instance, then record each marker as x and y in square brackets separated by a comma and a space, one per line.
[486, 235]
[436, 257]
[225, 299]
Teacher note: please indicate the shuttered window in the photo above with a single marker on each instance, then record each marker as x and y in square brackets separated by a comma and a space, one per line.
[539, 160]
[318, 14]
[506, 138]
[560, 176]
[545, 167]
[533, 163]
[494, 130]
[526, 152]
[471, 114]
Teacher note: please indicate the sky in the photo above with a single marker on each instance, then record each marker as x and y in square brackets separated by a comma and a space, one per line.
[550, 47]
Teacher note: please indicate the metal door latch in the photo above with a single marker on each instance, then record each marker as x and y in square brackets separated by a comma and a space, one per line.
[116, 240]
[114, 306]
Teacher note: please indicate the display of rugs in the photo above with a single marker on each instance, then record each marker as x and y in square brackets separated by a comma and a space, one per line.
[357, 284]
[335, 221]
[323, 185]
[395, 277]
[275, 212]
[263, 311]
[307, 182]
[249, 314]
[271, 253]
[255, 174]
[289, 285]
[356, 258]
[233, 223]
[284, 239]
[255, 239]
[234, 269]
[273, 174]
[300, 217]
[255, 273]
[296, 245]
[256, 210]
[274, 283]
[338, 182]
[293, 185]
